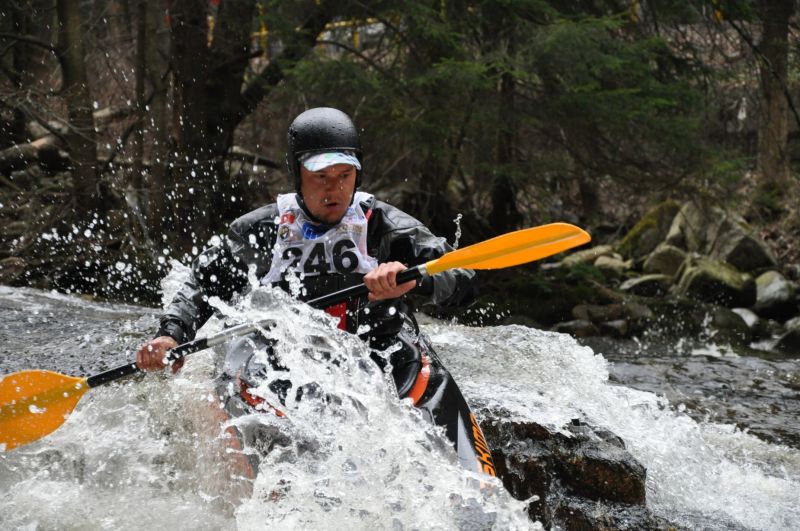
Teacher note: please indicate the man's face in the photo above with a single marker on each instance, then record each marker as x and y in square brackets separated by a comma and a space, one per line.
[327, 192]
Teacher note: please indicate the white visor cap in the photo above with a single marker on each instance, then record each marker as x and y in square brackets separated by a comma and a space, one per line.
[319, 161]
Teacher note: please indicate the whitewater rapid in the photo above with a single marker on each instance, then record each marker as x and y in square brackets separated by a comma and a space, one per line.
[150, 452]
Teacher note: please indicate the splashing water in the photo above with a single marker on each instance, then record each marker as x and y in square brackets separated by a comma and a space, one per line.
[457, 221]
[150, 451]
[708, 476]
[350, 455]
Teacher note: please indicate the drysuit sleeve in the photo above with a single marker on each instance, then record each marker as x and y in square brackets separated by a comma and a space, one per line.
[404, 239]
[217, 271]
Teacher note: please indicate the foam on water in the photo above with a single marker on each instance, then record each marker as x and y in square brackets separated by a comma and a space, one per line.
[699, 475]
[349, 453]
[150, 452]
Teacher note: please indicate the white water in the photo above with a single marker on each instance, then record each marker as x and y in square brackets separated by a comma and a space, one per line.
[698, 474]
[147, 453]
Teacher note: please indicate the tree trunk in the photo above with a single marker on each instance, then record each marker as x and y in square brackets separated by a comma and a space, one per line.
[209, 103]
[504, 216]
[773, 156]
[157, 41]
[43, 151]
[139, 74]
[193, 170]
[80, 137]
[118, 14]
[590, 196]
[13, 132]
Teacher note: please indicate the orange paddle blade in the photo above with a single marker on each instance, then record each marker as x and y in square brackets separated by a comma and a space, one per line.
[35, 403]
[514, 248]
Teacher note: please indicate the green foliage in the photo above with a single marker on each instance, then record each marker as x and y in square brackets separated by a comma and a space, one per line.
[619, 112]
[583, 94]
[581, 273]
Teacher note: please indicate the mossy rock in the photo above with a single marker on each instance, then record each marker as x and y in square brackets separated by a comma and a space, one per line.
[649, 231]
[666, 259]
[716, 282]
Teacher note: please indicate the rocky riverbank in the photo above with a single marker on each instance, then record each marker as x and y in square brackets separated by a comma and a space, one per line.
[684, 270]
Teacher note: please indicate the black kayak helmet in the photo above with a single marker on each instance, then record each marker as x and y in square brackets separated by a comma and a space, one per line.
[320, 130]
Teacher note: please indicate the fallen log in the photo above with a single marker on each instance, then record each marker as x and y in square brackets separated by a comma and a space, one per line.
[44, 151]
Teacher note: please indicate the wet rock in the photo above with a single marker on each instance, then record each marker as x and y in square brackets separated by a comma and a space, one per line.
[749, 317]
[728, 327]
[580, 516]
[708, 280]
[775, 296]
[649, 231]
[637, 311]
[789, 342]
[792, 324]
[647, 285]
[666, 259]
[612, 267]
[577, 328]
[617, 328]
[587, 256]
[598, 313]
[11, 269]
[583, 480]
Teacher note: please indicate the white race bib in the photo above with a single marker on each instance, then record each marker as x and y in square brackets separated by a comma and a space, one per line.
[301, 248]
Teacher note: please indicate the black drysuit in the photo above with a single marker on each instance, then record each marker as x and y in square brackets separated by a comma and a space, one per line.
[392, 235]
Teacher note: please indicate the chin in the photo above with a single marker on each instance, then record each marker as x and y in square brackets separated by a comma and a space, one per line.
[331, 218]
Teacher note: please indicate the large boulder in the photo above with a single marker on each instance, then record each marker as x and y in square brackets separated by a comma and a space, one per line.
[688, 229]
[649, 231]
[709, 280]
[578, 477]
[665, 259]
[738, 244]
[720, 234]
[775, 297]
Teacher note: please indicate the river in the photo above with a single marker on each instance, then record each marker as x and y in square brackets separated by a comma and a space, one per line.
[718, 433]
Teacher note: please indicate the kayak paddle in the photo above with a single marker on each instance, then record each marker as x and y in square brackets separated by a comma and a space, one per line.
[508, 250]
[35, 403]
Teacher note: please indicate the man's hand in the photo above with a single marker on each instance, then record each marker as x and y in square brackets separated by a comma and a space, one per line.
[382, 282]
[151, 355]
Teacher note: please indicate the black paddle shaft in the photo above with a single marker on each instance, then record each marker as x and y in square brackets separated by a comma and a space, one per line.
[203, 343]
[412, 273]
[180, 351]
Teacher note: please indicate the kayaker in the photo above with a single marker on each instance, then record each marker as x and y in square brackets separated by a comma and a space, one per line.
[337, 236]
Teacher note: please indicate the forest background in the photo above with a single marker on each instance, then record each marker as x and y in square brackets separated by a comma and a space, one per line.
[132, 132]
